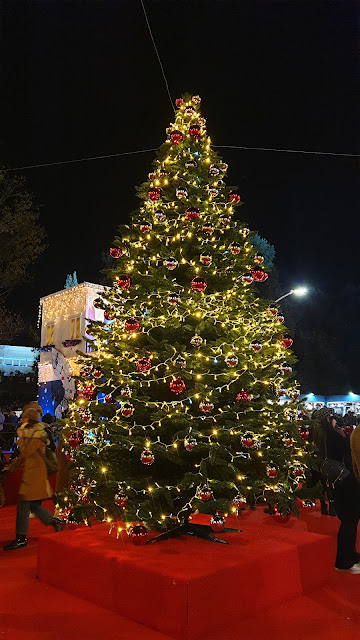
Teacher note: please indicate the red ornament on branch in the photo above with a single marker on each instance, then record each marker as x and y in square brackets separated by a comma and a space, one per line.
[154, 194]
[235, 248]
[177, 386]
[206, 259]
[231, 361]
[256, 345]
[147, 457]
[286, 342]
[272, 470]
[159, 216]
[258, 259]
[108, 315]
[281, 517]
[132, 325]
[127, 410]
[173, 298]
[234, 197]
[142, 365]
[198, 284]
[123, 282]
[206, 406]
[171, 263]
[304, 432]
[280, 318]
[121, 499]
[115, 252]
[242, 396]
[189, 111]
[192, 213]
[109, 399]
[258, 275]
[208, 230]
[181, 192]
[176, 137]
[189, 443]
[76, 439]
[204, 493]
[247, 278]
[145, 227]
[247, 440]
[239, 501]
[194, 131]
[179, 102]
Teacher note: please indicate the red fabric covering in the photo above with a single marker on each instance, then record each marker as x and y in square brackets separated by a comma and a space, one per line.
[326, 613]
[188, 588]
[12, 484]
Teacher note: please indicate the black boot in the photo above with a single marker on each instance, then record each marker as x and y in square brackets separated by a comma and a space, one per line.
[18, 543]
[323, 508]
[58, 524]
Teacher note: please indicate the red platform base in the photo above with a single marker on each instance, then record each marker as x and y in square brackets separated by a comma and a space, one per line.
[188, 588]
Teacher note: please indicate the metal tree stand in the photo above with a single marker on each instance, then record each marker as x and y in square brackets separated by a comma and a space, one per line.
[186, 528]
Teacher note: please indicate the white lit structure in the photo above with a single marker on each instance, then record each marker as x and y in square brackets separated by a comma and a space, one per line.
[64, 317]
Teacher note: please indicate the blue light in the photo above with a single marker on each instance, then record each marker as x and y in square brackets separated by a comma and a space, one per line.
[190, 401]
[216, 360]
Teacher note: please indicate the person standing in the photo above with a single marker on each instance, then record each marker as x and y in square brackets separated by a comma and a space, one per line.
[34, 487]
[346, 497]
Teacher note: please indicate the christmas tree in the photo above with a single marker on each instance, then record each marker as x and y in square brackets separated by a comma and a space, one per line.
[178, 405]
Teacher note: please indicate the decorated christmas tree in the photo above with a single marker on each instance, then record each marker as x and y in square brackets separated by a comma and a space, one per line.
[180, 404]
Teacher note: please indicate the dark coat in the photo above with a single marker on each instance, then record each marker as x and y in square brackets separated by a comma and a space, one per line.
[347, 495]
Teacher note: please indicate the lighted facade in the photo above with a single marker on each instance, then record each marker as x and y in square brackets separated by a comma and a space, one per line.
[64, 318]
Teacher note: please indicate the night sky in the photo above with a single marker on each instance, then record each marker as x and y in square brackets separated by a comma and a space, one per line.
[81, 78]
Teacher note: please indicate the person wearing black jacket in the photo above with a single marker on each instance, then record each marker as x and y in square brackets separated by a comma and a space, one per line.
[346, 497]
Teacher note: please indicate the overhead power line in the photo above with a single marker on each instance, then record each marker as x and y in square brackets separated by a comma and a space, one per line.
[217, 146]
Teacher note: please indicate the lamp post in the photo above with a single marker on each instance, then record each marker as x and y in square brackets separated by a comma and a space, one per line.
[299, 291]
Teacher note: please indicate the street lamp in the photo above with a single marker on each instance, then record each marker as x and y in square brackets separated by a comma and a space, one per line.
[299, 291]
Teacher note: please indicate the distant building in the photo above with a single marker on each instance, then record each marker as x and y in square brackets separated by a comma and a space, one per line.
[340, 404]
[18, 376]
[64, 318]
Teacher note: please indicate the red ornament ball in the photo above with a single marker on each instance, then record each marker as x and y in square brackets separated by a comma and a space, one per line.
[256, 345]
[115, 252]
[286, 368]
[138, 534]
[206, 259]
[190, 443]
[295, 395]
[206, 406]
[286, 342]
[121, 499]
[196, 340]
[204, 493]
[173, 298]
[180, 362]
[151, 176]
[217, 522]
[288, 441]
[127, 410]
[242, 396]
[190, 164]
[109, 399]
[198, 284]
[247, 278]
[214, 170]
[171, 263]
[258, 275]
[280, 318]
[213, 192]
[235, 248]
[132, 325]
[281, 517]
[272, 310]
[181, 192]
[176, 137]
[258, 259]
[194, 131]
[189, 111]
[231, 361]
[196, 99]
[159, 216]
[280, 392]
[224, 167]
[108, 316]
[192, 213]
[145, 227]
[179, 102]
[208, 230]
[126, 392]
[234, 197]
[154, 194]
[272, 471]
[147, 457]
[303, 432]
[239, 501]
[247, 440]
[123, 282]
[76, 439]
[143, 364]
[177, 386]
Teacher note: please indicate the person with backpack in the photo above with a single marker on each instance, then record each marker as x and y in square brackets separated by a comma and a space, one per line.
[337, 472]
[34, 487]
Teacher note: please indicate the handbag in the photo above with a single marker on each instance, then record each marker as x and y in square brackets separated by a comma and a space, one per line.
[50, 461]
[333, 473]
